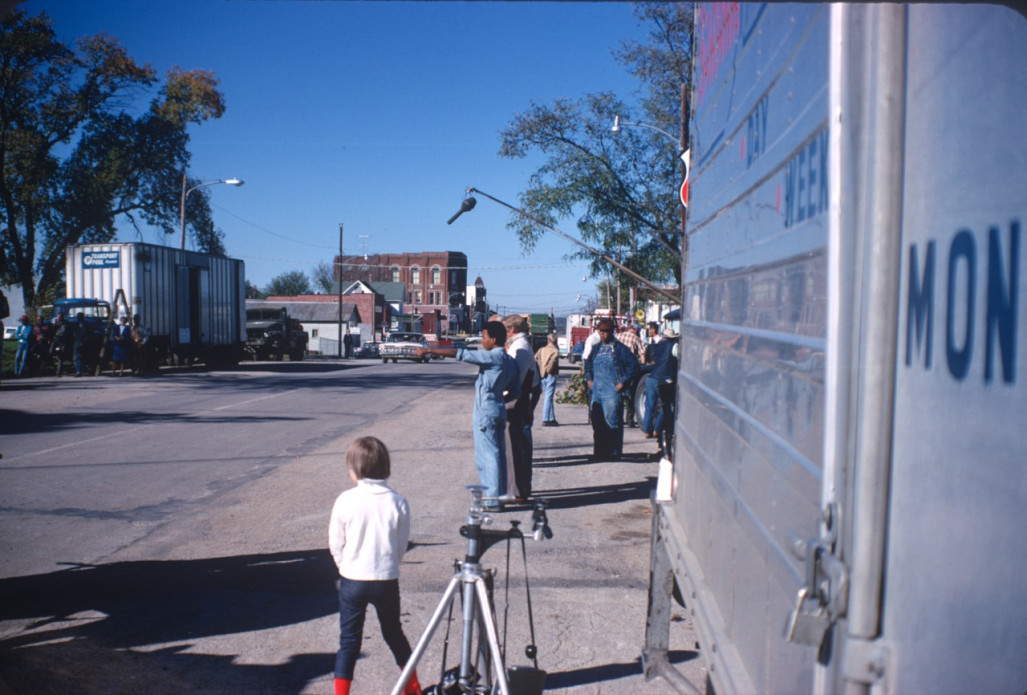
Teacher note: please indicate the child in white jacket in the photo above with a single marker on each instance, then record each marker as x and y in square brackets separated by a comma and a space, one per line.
[367, 535]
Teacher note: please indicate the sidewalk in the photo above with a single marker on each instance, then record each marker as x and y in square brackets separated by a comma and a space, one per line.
[589, 583]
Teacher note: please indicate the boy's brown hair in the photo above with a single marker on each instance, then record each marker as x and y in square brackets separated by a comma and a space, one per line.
[368, 457]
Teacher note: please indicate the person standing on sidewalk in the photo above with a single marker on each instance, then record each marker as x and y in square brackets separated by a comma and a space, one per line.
[497, 375]
[368, 533]
[548, 361]
[629, 336]
[23, 335]
[651, 390]
[608, 368]
[520, 411]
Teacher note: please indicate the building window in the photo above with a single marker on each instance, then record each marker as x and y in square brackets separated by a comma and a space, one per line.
[394, 270]
[436, 275]
[417, 296]
[313, 332]
[415, 275]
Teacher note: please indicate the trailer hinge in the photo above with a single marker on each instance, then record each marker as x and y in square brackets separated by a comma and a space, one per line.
[864, 661]
[824, 597]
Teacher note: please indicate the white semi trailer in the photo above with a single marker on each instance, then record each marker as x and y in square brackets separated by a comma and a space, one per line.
[194, 304]
[849, 488]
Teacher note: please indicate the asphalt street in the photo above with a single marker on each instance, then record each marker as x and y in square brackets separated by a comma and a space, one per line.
[234, 591]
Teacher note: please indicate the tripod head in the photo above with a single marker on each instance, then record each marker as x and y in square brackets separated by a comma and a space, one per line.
[479, 540]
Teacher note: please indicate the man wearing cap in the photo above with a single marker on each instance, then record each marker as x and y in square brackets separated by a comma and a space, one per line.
[609, 367]
[651, 392]
[629, 337]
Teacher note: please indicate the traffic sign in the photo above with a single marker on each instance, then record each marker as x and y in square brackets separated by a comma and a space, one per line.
[686, 159]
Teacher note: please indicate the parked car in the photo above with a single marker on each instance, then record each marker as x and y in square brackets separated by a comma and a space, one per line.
[401, 346]
[367, 351]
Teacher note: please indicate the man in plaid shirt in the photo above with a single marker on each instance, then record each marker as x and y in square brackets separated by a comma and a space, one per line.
[629, 337]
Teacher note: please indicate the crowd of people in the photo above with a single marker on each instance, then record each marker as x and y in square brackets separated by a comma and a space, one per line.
[512, 379]
[56, 345]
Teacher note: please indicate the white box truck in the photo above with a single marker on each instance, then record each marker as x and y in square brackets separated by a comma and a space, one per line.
[848, 505]
[194, 304]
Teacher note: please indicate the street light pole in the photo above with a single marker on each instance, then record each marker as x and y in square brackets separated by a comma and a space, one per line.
[627, 271]
[186, 191]
[340, 291]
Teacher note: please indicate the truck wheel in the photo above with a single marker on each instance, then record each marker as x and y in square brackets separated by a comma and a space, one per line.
[640, 404]
[395, 360]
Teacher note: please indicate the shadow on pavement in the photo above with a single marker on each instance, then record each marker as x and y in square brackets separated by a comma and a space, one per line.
[568, 498]
[109, 625]
[607, 672]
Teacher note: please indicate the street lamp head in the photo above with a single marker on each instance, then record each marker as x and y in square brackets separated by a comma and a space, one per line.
[233, 182]
[616, 125]
[465, 206]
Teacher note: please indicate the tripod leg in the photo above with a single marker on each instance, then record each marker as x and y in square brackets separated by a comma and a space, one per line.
[466, 674]
[493, 637]
[429, 630]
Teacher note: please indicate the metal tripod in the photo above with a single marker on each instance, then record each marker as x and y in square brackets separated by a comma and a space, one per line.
[472, 582]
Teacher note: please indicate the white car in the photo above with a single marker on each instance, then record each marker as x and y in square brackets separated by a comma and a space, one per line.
[401, 346]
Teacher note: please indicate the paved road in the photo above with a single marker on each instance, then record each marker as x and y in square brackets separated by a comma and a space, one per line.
[167, 535]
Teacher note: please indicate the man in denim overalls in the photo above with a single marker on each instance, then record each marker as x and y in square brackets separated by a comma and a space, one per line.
[609, 368]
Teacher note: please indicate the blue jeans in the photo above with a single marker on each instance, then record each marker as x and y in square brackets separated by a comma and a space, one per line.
[490, 456]
[649, 422]
[607, 427]
[354, 597]
[548, 398]
[20, 357]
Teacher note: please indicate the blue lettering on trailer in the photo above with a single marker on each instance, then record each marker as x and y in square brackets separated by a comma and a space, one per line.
[756, 131]
[806, 181]
[101, 259]
[1002, 293]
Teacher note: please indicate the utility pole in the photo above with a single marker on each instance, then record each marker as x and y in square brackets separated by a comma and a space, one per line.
[340, 290]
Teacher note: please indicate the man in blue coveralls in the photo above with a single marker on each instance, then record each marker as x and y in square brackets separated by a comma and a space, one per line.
[610, 366]
[497, 382]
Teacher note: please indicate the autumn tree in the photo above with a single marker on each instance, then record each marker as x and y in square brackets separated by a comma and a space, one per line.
[619, 188]
[74, 161]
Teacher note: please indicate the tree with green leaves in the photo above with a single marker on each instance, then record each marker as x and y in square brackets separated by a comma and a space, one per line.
[73, 161]
[288, 284]
[620, 188]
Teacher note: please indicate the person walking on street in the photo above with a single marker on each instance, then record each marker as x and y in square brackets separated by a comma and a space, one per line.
[367, 535]
[23, 334]
[608, 368]
[548, 361]
[497, 380]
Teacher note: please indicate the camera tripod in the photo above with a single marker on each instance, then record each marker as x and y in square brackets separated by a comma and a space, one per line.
[474, 585]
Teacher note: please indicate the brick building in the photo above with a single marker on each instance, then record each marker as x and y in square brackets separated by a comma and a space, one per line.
[434, 280]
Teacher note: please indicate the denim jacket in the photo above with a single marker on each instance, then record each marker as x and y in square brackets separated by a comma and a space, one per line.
[497, 373]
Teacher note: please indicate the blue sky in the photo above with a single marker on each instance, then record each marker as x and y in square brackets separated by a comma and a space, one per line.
[377, 115]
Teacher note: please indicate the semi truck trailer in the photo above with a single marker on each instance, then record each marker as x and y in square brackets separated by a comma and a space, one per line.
[846, 505]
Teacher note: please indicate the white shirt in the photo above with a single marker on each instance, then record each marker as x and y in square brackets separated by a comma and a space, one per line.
[369, 531]
[590, 342]
[519, 347]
